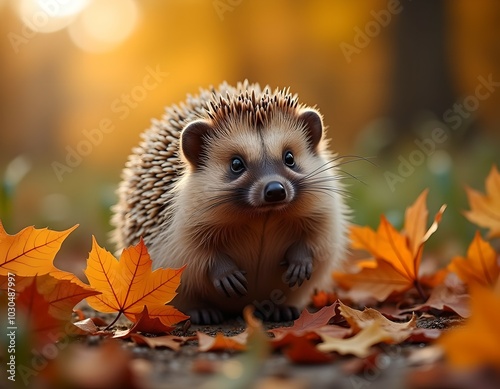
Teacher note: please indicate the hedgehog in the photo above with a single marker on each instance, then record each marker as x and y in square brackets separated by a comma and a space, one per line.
[237, 183]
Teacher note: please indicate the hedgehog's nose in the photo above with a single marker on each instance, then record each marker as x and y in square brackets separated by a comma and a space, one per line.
[274, 191]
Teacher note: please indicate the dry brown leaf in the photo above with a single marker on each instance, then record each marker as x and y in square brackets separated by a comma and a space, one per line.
[485, 209]
[170, 341]
[87, 325]
[358, 345]
[307, 322]
[358, 320]
[449, 297]
[303, 351]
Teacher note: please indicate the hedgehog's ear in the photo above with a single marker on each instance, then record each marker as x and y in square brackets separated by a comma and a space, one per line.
[313, 126]
[193, 137]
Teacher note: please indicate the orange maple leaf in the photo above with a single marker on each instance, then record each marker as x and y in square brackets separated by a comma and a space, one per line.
[130, 284]
[477, 342]
[396, 255]
[31, 251]
[485, 209]
[481, 266]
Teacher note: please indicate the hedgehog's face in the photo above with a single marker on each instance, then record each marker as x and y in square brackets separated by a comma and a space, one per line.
[248, 170]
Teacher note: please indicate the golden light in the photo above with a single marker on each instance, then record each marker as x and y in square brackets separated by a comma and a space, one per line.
[48, 16]
[104, 24]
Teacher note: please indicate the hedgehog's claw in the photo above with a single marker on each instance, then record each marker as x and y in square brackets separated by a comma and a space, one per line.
[227, 278]
[299, 260]
[232, 285]
[279, 313]
[206, 316]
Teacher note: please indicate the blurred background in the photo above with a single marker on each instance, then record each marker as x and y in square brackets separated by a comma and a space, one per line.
[412, 85]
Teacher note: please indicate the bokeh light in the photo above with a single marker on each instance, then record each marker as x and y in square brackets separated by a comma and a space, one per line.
[104, 24]
[48, 16]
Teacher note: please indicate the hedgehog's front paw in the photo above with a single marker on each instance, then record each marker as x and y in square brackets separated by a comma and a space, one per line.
[299, 260]
[227, 278]
[278, 313]
[205, 316]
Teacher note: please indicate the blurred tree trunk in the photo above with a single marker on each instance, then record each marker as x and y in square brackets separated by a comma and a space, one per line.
[421, 71]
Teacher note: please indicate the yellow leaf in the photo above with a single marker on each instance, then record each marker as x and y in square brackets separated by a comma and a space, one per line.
[485, 209]
[481, 266]
[130, 284]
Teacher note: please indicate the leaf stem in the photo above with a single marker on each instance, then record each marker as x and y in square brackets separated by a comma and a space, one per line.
[420, 291]
[114, 321]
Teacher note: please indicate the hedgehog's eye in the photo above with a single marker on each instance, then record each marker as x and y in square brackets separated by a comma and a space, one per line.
[289, 159]
[237, 165]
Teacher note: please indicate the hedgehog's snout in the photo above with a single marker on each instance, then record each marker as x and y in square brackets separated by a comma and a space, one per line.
[274, 192]
[271, 192]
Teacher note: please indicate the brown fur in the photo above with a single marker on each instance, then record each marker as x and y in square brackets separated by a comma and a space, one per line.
[184, 205]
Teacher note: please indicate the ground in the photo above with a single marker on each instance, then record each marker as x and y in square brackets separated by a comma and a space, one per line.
[392, 366]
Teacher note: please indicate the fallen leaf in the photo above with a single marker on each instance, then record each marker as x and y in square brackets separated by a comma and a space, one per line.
[359, 320]
[434, 279]
[374, 280]
[358, 345]
[307, 322]
[221, 342]
[476, 343]
[62, 294]
[448, 297]
[415, 220]
[130, 284]
[424, 335]
[151, 325]
[37, 314]
[485, 209]
[87, 325]
[481, 266]
[170, 341]
[303, 351]
[395, 265]
[31, 251]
